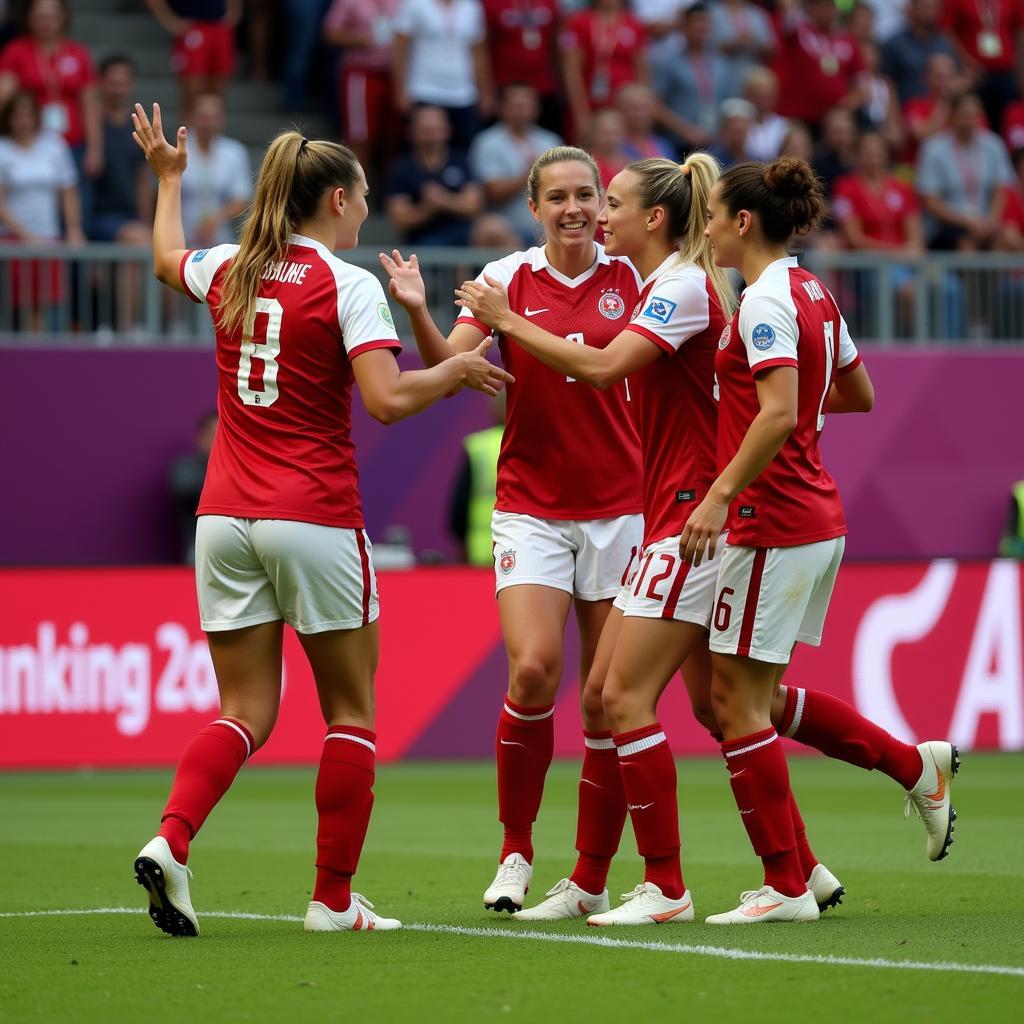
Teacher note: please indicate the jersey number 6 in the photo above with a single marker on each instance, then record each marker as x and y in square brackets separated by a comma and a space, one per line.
[266, 350]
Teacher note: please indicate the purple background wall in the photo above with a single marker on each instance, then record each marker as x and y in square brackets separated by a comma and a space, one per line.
[88, 437]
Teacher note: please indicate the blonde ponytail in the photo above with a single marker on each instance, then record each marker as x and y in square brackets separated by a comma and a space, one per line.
[292, 180]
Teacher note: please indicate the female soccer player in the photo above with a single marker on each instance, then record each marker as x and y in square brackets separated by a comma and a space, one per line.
[776, 369]
[567, 517]
[280, 533]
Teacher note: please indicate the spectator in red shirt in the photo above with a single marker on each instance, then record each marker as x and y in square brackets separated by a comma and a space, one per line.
[602, 49]
[988, 35]
[59, 73]
[1013, 121]
[203, 54]
[926, 115]
[818, 64]
[522, 36]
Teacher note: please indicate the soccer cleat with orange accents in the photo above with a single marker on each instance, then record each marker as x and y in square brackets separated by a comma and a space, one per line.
[358, 918]
[765, 905]
[166, 881]
[565, 902]
[827, 889]
[510, 885]
[931, 797]
[646, 904]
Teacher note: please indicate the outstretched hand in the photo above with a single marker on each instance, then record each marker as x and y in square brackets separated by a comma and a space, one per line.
[482, 374]
[164, 159]
[405, 283]
[487, 302]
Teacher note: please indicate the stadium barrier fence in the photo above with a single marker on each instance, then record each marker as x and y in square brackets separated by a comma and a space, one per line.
[100, 294]
[108, 667]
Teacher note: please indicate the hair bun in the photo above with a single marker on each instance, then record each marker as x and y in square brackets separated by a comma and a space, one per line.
[791, 177]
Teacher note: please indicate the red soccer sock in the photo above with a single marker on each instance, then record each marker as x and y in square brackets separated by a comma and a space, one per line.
[759, 777]
[839, 731]
[525, 744]
[208, 766]
[649, 782]
[602, 812]
[344, 799]
[808, 862]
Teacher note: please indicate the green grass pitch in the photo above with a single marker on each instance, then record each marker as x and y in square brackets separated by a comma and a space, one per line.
[68, 841]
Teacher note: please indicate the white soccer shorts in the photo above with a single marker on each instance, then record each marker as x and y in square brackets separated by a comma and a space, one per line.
[662, 586]
[767, 599]
[586, 558]
[316, 578]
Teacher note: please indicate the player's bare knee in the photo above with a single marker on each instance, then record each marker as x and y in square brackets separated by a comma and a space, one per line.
[592, 704]
[532, 681]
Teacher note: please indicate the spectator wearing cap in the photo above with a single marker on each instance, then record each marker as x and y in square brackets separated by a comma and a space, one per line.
[203, 53]
[440, 58]
[962, 177]
[216, 186]
[906, 54]
[692, 80]
[522, 37]
[501, 156]
[733, 145]
[602, 48]
[639, 107]
[817, 62]
[432, 198]
[743, 33]
[761, 89]
[988, 36]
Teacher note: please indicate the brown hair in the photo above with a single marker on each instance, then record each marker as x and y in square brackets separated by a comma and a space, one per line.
[682, 191]
[786, 194]
[558, 155]
[13, 102]
[293, 177]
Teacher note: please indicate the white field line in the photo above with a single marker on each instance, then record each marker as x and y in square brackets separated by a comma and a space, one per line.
[603, 941]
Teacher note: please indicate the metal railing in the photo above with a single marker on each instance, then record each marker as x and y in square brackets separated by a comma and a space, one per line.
[103, 294]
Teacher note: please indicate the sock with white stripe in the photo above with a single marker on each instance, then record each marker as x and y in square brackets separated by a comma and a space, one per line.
[839, 731]
[648, 773]
[524, 746]
[344, 799]
[208, 766]
[602, 812]
[759, 777]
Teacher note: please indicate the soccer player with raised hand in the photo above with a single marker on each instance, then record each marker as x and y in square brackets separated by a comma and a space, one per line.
[786, 361]
[280, 535]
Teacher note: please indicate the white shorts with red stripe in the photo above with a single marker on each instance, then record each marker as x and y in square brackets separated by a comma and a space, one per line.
[316, 578]
[588, 558]
[662, 586]
[767, 599]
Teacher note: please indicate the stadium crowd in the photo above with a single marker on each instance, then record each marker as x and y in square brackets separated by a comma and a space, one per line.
[911, 111]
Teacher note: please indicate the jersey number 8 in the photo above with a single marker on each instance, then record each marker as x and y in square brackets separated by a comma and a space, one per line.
[266, 350]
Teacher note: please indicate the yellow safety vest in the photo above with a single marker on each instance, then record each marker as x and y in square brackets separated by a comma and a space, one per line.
[482, 449]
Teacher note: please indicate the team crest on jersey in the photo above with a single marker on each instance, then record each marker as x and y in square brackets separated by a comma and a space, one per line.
[762, 337]
[611, 306]
[507, 562]
[385, 314]
[723, 341]
[199, 254]
[660, 310]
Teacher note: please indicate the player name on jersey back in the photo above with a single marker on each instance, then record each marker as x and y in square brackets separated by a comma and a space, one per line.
[286, 272]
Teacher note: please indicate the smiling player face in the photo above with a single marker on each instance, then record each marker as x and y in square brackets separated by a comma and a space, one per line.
[623, 219]
[569, 203]
[353, 212]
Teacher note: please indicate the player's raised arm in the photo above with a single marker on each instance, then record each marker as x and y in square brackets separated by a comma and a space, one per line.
[168, 164]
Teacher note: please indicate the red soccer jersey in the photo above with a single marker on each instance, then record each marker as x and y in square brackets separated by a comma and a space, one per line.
[522, 38]
[284, 441]
[609, 52]
[678, 311]
[786, 318]
[56, 81]
[987, 29]
[882, 213]
[569, 451]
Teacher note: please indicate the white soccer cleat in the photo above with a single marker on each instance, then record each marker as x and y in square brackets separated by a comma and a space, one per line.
[828, 891]
[565, 902]
[166, 881]
[931, 797]
[510, 885]
[764, 905]
[358, 918]
[646, 904]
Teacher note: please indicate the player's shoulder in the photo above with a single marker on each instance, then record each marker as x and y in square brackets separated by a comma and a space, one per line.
[347, 276]
[212, 259]
[527, 261]
[617, 266]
